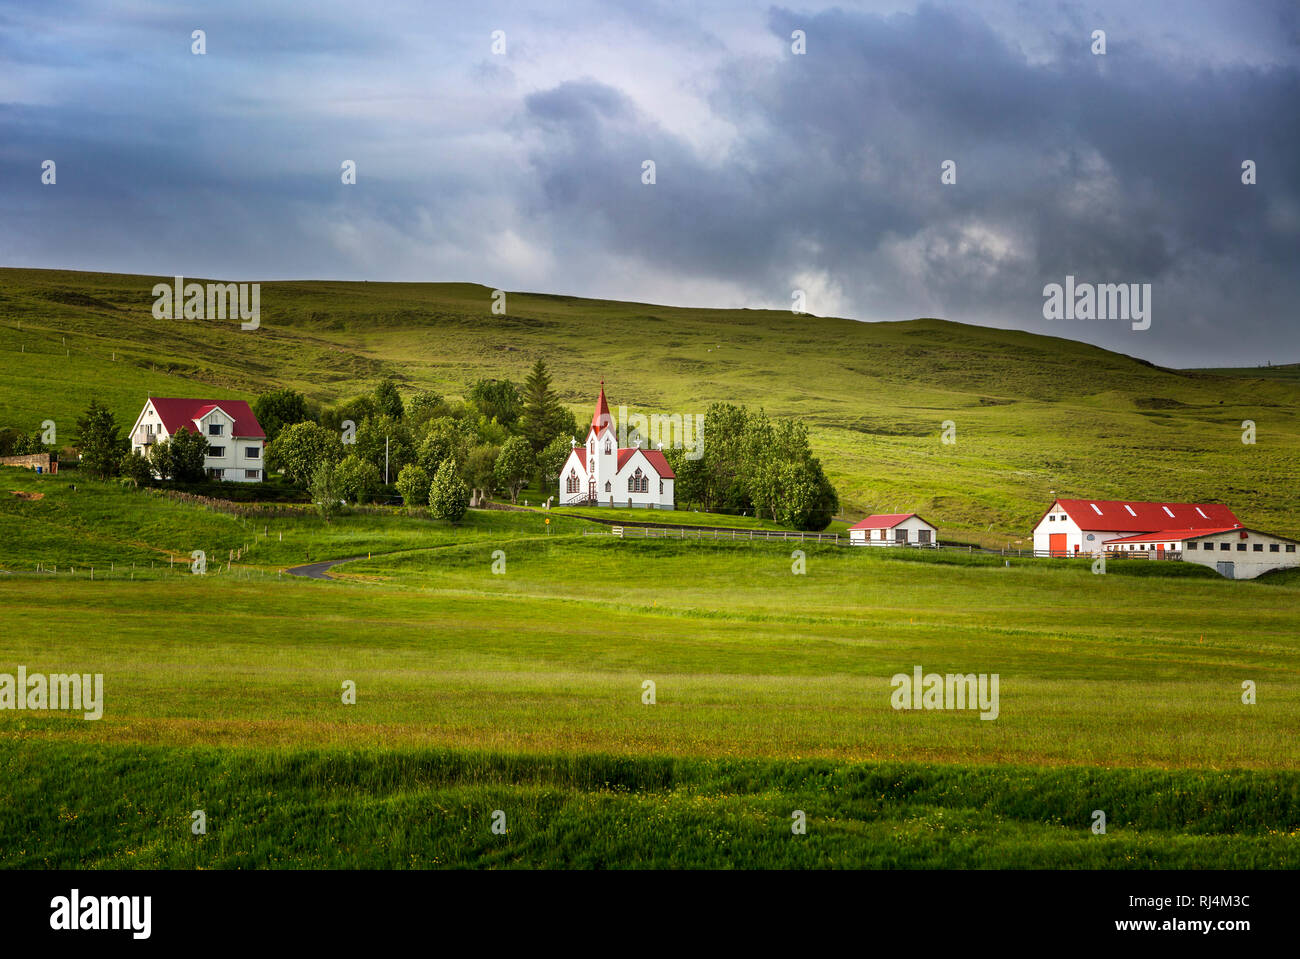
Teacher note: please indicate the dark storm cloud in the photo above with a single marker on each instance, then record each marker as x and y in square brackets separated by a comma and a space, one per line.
[1114, 169]
[773, 171]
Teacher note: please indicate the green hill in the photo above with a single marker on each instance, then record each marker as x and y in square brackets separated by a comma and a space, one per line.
[1033, 414]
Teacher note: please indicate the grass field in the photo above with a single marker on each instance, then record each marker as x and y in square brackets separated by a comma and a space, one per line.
[522, 691]
[1033, 414]
[500, 663]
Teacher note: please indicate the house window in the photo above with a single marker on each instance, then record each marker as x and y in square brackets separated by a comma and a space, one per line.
[1051, 519]
[216, 474]
[1241, 547]
[214, 429]
[252, 474]
[1224, 546]
[923, 537]
[216, 452]
[1272, 547]
[900, 535]
[1290, 547]
[1259, 547]
[252, 452]
[1191, 546]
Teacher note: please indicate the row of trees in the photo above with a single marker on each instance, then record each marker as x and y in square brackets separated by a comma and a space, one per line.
[495, 440]
[752, 462]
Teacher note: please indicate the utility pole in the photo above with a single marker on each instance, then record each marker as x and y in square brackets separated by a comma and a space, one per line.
[385, 460]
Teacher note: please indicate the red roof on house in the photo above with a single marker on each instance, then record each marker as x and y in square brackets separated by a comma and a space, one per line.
[1118, 516]
[1172, 535]
[176, 413]
[885, 520]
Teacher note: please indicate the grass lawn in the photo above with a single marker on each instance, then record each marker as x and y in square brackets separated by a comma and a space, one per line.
[522, 690]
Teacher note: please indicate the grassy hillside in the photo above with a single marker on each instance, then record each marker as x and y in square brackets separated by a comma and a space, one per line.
[1033, 414]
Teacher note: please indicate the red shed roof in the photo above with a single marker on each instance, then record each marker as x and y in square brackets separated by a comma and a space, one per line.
[1119, 516]
[175, 413]
[886, 520]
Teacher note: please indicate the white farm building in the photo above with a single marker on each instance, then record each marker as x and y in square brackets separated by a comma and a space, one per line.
[1205, 533]
[1073, 527]
[893, 529]
[1237, 552]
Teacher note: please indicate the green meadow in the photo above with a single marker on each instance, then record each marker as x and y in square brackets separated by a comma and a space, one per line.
[523, 690]
[502, 663]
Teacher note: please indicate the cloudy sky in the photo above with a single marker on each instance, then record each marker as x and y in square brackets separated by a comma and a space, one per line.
[774, 170]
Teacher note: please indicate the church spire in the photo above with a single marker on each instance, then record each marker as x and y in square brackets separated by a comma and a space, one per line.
[601, 419]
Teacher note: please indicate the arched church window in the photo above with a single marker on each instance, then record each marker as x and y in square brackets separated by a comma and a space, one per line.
[607, 446]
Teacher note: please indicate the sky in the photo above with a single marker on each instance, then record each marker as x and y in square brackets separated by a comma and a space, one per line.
[517, 158]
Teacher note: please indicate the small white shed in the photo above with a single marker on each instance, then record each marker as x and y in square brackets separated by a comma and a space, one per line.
[894, 529]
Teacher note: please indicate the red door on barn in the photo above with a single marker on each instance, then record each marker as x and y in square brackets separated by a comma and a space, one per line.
[1056, 544]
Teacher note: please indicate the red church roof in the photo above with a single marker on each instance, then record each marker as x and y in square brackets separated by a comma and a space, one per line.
[176, 413]
[1117, 516]
[601, 420]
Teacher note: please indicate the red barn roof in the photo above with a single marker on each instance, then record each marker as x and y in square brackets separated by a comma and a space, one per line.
[175, 413]
[1172, 535]
[886, 520]
[1118, 516]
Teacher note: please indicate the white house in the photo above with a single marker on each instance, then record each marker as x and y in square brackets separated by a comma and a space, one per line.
[1073, 527]
[893, 529]
[598, 473]
[1235, 552]
[236, 441]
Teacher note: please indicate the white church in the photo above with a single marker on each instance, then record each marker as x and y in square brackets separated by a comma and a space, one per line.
[599, 473]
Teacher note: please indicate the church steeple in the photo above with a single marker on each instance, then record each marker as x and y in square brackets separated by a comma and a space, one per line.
[601, 420]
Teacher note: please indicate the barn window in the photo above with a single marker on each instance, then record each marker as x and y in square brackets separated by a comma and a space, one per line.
[1241, 547]
[1272, 547]
[1290, 547]
[1223, 546]
[1191, 546]
[1259, 547]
